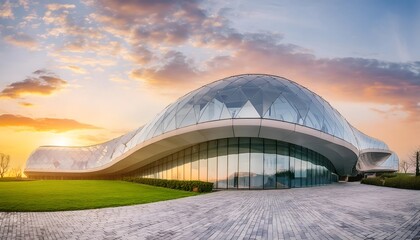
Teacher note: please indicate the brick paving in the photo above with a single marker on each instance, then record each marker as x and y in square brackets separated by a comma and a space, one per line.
[338, 211]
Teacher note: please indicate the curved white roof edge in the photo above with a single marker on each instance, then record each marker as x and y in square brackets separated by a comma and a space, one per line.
[178, 126]
[334, 149]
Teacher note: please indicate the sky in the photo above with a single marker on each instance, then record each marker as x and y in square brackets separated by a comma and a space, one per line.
[84, 72]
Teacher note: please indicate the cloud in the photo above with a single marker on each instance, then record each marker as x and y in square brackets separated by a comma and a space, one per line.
[118, 79]
[149, 26]
[86, 61]
[355, 79]
[60, 22]
[43, 124]
[140, 55]
[26, 104]
[75, 69]
[56, 6]
[41, 82]
[6, 10]
[82, 45]
[24, 4]
[177, 71]
[162, 26]
[21, 40]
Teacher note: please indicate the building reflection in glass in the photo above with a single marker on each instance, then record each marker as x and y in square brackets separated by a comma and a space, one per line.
[245, 163]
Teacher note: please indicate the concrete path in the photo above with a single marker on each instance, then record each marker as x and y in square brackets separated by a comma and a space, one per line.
[338, 211]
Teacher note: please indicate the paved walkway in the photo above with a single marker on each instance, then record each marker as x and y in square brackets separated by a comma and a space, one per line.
[338, 211]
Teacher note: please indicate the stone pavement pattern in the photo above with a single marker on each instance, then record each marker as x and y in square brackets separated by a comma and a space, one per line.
[338, 211]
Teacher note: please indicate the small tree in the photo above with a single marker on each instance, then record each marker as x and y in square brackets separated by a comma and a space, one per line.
[414, 161]
[4, 164]
[404, 166]
[16, 172]
[417, 163]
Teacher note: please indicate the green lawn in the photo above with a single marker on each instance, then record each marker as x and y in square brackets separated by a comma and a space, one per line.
[59, 195]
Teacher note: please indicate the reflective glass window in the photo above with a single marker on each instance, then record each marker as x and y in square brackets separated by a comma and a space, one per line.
[256, 164]
[194, 163]
[292, 166]
[187, 164]
[163, 168]
[270, 157]
[283, 171]
[222, 163]
[233, 162]
[212, 162]
[175, 166]
[243, 174]
[244, 163]
[203, 162]
[304, 169]
[318, 170]
[181, 165]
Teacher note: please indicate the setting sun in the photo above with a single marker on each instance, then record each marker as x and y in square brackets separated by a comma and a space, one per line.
[61, 141]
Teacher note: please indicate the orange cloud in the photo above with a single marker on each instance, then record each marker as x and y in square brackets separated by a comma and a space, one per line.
[177, 71]
[26, 104]
[75, 69]
[6, 10]
[43, 124]
[56, 6]
[41, 82]
[21, 40]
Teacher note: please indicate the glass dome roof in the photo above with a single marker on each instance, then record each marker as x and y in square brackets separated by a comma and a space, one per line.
[256, 96]
[249, 96]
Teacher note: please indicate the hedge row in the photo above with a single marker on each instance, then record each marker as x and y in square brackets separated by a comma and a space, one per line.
[373, 181]
[192, 186]
[405, 182]
[388, 175]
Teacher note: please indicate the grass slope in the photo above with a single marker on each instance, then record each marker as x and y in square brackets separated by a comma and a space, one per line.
[59, 195]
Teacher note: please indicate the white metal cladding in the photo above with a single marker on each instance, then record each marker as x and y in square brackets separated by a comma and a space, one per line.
[250, 96]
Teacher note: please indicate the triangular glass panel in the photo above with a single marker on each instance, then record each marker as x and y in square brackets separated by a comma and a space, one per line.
[269, 96]
[247, 111]
[235, 102]
[199, 95]
[208, 97]
[171, 125]
[151, 131]
[197, 110]
[282, 110]
[159, 130]
[296, 103]
[211, 111]
[224, 94]
[219, 84]
[180, 115]
[281, 88]
[257, 102]
[240, 81]
[250, 89]
[188, 120]
[225, 113]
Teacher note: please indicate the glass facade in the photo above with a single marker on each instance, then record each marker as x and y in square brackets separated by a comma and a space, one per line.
[245, 163]
[241, 163]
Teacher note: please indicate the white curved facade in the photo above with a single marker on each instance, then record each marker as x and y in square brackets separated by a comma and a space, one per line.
[252, 105]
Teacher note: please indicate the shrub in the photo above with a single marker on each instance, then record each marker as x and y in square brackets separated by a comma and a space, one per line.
[198, 186]
[373, 181]
[406, 182]
[388, 175]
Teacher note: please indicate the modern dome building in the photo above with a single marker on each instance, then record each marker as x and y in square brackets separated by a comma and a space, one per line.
[247, 131]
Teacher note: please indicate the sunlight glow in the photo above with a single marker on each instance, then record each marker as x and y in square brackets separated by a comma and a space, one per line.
[61, 141]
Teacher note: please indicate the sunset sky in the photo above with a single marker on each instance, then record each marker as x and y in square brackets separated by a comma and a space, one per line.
[80, 73]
